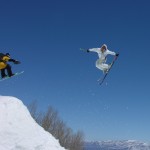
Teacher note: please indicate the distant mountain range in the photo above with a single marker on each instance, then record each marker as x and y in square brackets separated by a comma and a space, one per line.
[116, 145]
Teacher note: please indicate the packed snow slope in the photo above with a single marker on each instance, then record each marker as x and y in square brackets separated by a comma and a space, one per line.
[19, 131]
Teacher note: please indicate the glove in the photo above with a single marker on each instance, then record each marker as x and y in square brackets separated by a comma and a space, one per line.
[117, 54]
[88, 50]
[17, 62]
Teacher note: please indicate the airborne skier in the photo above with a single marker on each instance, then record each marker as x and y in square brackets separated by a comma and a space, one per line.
[4, 58]
[102, 54]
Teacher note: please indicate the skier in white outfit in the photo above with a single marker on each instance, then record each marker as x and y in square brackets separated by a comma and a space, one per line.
[102, 53]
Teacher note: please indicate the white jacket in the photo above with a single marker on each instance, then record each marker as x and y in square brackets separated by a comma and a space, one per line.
[101, 55]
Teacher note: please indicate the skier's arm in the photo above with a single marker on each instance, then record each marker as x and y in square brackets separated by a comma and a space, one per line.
[93, 50]
[14, 61]
[111, 53]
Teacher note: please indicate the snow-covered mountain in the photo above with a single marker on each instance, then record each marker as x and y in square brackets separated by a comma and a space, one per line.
[19, 131]
[116, 145]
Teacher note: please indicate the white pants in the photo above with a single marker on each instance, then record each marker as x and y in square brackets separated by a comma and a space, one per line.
[100, 64]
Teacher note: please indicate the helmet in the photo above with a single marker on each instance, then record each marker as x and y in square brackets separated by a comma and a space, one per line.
[7, 54]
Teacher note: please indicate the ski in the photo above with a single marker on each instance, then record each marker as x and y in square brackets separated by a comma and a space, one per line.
[101, 80]
[18, 73]
[82, 49]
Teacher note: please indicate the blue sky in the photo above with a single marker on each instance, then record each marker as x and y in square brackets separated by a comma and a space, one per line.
[46, 37]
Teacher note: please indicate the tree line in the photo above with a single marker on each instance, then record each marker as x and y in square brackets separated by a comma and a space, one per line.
[52, 123]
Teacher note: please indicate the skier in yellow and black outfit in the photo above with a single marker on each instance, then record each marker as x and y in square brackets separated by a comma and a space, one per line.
[4, 58]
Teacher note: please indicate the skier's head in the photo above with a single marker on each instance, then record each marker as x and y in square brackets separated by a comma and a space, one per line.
[103, 47]
[7, 54]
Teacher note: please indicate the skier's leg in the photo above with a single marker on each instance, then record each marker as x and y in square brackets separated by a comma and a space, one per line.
[102, 66]
[8, 67]
[3, 75]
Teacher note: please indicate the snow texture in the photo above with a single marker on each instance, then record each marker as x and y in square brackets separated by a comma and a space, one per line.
[19, 131]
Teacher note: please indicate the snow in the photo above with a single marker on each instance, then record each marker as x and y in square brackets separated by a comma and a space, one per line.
[117, 145]
[19, 131]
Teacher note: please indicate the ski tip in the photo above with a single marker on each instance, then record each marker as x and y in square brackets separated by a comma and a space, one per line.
[82, 49]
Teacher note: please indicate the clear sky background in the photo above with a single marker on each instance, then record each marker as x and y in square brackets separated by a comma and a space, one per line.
[46, 36]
